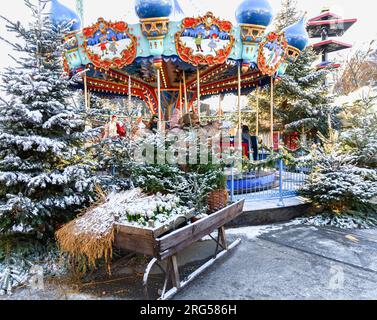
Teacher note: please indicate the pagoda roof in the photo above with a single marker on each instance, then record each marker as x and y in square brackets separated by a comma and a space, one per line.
[325, 16]
[334, 28]
[328, 65]
[330, 46]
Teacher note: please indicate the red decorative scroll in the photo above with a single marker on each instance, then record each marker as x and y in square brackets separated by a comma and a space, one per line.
[110, 45]
[272, 52]
[205, 40]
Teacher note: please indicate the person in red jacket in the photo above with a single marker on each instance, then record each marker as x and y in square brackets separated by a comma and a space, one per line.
[114, 129]
[121, 130]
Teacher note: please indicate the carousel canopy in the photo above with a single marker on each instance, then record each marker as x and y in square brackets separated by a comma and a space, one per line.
[122, 59]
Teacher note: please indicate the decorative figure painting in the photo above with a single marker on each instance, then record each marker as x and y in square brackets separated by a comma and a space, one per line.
[71, 56]
[110, 45]
[272, 53]
[205, 40]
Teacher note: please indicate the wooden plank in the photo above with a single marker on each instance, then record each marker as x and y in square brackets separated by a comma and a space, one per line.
[137, 243]
[182, 238]
[126, 229]
[177, 247]
[201, 228]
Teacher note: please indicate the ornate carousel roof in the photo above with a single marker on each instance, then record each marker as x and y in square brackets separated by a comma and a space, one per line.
[121, 58]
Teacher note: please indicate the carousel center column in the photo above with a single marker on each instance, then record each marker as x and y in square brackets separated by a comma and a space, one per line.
[253, 17]
[154, 20]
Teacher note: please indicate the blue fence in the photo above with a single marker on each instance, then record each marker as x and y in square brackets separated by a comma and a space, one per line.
[266, 183]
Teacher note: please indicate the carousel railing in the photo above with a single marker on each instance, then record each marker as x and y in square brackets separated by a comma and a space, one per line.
[268, 181]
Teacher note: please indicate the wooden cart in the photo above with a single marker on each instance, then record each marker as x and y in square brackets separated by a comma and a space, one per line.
[163, 248]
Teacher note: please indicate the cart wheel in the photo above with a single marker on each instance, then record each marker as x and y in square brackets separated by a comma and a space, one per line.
[148, 291]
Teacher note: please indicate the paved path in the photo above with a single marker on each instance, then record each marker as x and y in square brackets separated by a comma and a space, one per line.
[294, 262]
[288, 261]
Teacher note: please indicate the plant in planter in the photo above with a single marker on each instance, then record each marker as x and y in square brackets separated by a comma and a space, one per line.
[218, 198]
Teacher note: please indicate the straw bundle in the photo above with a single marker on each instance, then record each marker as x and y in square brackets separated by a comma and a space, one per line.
[90, 237]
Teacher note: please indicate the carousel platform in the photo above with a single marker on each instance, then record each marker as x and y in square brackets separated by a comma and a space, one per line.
[261, 212]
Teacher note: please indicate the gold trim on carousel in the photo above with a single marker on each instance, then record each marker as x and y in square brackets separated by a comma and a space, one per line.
[154, 19]
[159, 26]
[250, 32]
[296, 52]
[156, 38]
[248, 43]
[254, 26]
[72, 34]
[72, 50]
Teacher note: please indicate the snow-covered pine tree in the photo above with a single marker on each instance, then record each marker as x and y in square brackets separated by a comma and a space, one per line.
[43, 177]
[359, 136]
[287, 14]
[302, 100]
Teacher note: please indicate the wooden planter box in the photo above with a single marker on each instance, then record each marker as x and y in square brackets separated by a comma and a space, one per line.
[165, 246]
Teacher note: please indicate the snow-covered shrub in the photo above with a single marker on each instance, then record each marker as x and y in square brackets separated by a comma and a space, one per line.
[337, 183]
[360, 134]
[25, 260]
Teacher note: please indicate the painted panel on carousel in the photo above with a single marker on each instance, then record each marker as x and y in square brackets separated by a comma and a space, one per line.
[110, 45]
[272, 53]
[205, 40]
[71, 55]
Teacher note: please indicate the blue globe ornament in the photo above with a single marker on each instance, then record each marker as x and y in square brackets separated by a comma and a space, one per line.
[61, 15]
[146, 9]
[256, 12]
[297, 35]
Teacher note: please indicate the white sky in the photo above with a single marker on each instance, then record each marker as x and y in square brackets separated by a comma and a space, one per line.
[361, 33]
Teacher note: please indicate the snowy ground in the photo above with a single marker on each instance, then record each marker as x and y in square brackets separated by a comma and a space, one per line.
[286, 261]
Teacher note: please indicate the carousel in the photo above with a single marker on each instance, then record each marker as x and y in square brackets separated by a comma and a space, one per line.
[173, 65]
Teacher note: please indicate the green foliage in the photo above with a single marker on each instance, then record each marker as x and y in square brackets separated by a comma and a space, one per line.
[22, 245]
[364, 218]
[157, 178]
[337, 183]
[192, 187]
